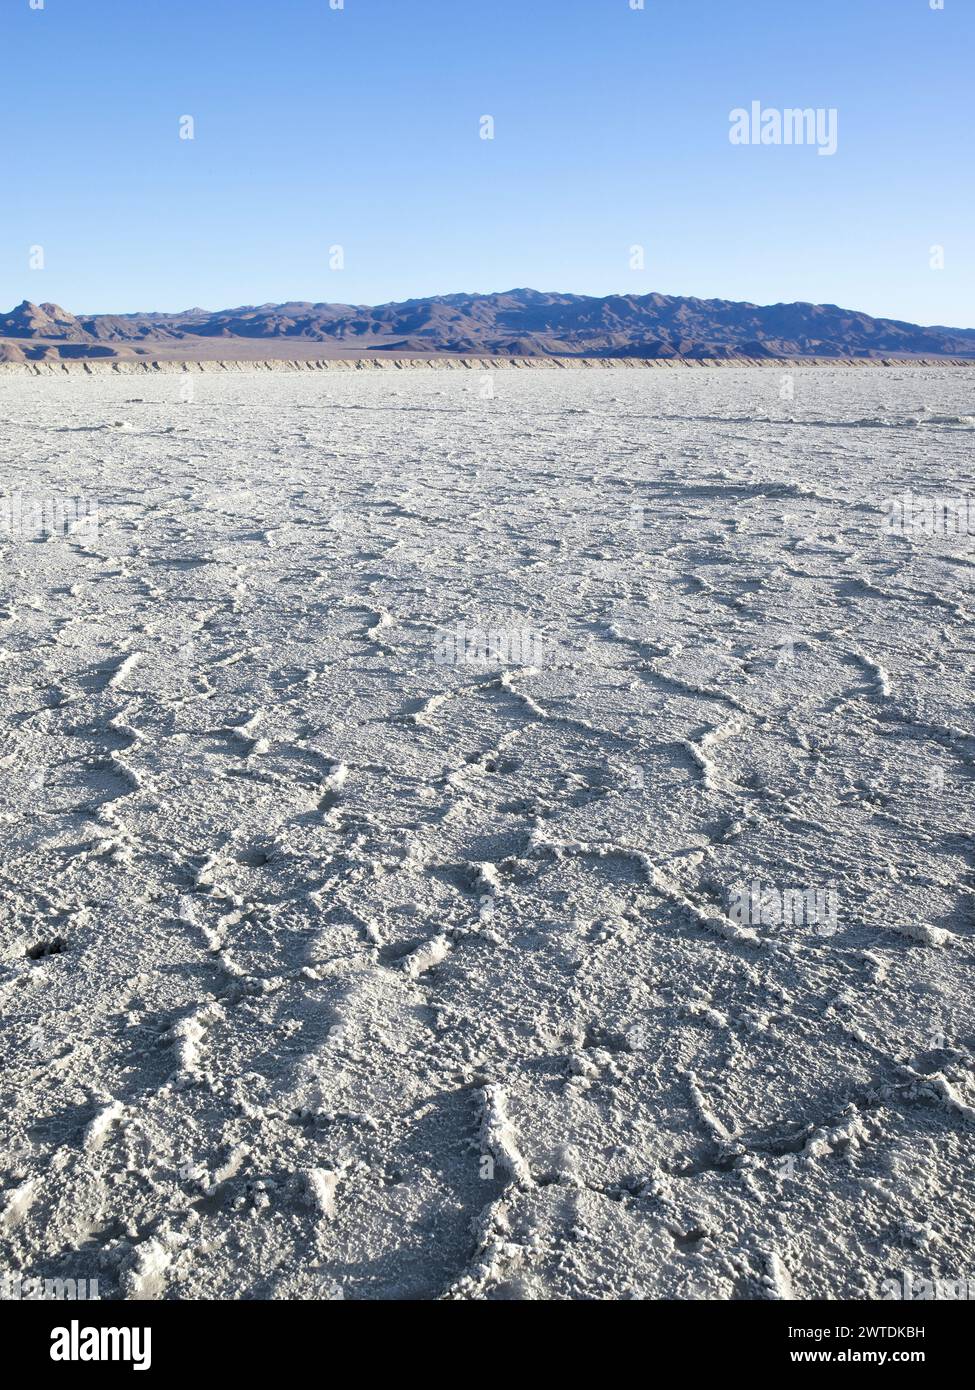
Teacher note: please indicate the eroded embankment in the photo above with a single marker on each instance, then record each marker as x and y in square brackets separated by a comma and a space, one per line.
[127, 367]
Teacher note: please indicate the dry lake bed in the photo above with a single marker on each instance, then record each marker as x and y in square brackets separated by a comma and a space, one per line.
[488, 836]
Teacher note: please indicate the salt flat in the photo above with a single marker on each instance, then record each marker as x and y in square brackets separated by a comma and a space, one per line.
[385, 780]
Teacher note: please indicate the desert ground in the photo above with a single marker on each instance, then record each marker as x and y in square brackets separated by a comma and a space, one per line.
[487, 836]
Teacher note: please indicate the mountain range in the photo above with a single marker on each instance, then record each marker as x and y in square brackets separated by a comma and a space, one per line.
[520, 322]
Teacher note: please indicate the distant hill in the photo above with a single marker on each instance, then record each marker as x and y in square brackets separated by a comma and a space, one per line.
[518, 322]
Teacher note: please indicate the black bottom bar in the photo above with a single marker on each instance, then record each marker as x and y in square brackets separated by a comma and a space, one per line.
[56, 1337]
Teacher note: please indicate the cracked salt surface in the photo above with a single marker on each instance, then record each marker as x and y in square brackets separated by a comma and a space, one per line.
[334, 968]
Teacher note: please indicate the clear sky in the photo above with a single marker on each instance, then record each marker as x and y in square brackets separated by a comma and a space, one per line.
[359, 127]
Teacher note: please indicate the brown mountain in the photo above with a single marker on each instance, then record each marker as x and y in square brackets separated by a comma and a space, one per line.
[47, 321]
[518, 322]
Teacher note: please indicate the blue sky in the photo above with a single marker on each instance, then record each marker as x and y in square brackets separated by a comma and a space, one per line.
[359, 127]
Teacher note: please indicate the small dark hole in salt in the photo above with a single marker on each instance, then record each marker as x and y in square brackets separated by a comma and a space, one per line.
[54, 947]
